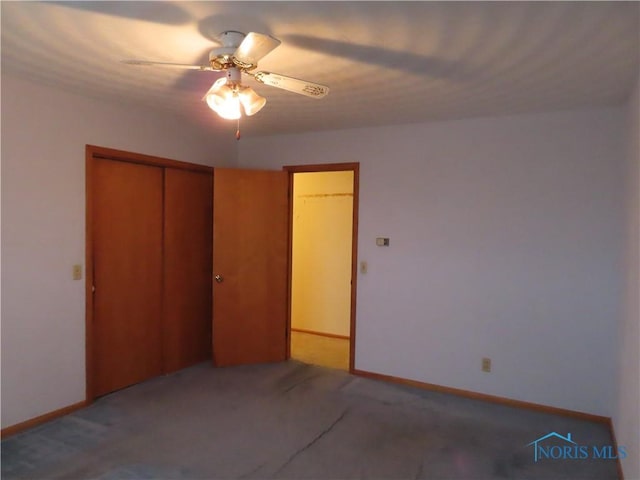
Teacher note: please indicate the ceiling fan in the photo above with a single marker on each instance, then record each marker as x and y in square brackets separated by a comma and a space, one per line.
[240, 54]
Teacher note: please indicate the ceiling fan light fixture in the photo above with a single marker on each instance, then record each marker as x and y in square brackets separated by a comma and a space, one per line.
[238, 54]
[224, 100]
[230, 108]
[251, 101]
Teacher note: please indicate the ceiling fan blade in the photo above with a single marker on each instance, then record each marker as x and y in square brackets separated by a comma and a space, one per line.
[145, 63]
[253, 48]
[295, 85]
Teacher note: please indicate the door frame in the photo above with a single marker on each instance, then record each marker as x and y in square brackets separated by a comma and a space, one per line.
[93, 152]
[328, 167]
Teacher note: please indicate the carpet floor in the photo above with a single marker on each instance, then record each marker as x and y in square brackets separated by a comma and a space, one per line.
[294, 421]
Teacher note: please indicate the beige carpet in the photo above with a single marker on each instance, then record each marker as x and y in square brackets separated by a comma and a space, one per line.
[319, 350]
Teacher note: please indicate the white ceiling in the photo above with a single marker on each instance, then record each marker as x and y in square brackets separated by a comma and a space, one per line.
[385, 62]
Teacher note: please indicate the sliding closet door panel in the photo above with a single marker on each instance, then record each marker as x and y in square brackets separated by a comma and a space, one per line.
[127, 246]
[188, 241]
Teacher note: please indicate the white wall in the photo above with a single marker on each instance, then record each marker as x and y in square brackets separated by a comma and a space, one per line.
[505, 242]
[321, 252]
[506, 237]
[627, 416]
[44, 132]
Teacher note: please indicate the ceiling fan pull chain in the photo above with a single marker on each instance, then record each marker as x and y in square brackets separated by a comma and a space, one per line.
[238, 130]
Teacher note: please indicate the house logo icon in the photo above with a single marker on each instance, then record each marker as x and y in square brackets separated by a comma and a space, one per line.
[554, 446]
[535, 443]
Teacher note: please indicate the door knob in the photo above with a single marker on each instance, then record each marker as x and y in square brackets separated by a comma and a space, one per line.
[219, 278]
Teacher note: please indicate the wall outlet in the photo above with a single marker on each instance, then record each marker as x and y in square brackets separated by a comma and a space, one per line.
[486, 364]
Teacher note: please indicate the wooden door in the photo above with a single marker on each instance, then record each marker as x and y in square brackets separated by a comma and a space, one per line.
[186, 332]
[127, 273]
[250, 251]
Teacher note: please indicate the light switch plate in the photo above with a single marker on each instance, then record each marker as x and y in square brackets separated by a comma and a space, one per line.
[486, 364]
[77, 272]
[382, 242]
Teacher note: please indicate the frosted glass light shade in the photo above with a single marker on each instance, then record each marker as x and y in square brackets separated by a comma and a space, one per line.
[251, 101]
[225, 98]
[227, 107]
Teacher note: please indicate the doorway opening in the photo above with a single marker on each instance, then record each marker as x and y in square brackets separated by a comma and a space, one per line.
[323, 253]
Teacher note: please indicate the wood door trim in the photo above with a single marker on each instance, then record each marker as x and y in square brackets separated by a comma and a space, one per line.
[88, 276]
[329, 167]
[93, 152]
[124, 156]
[40, 419]
[485, 397]
[322, 167]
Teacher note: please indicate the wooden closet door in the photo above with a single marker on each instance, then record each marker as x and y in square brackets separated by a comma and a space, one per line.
[127, 271]
[188, 230]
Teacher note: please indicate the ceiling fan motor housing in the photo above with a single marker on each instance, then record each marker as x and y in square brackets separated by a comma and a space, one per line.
[222, 58]
[231, 38]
